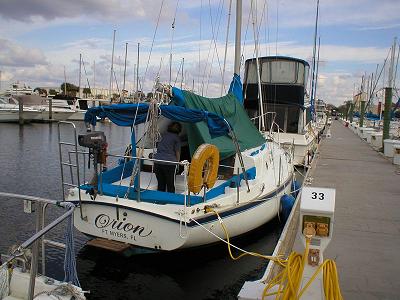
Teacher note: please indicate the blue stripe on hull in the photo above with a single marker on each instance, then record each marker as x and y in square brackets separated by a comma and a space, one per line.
[201, 220]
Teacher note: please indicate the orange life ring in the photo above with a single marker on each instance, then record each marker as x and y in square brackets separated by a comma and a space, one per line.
[203, 169]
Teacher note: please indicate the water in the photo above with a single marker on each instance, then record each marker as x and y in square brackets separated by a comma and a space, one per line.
[29, 164]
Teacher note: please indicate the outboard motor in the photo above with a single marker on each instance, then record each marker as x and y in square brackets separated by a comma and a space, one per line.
[97, 144]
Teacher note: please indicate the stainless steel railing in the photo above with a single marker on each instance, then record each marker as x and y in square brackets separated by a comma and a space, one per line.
[38, 237]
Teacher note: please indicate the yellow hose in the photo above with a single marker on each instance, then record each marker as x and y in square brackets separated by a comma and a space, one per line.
[289, 279]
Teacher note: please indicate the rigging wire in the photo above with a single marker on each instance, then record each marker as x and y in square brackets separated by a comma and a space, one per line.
[213, 38]
[200, 40]
[312, 98]
[172, 42]
[84, 69]
[395, 72]
[244, 47]
[177, 73]
[226, 47]
[260, 95]
[267, 25]
[152, 43]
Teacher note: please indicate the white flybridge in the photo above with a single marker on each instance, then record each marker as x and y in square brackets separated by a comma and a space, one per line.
[228, 173]
[288, 117]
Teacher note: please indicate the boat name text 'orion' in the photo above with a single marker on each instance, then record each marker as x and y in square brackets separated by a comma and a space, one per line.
[104, 221]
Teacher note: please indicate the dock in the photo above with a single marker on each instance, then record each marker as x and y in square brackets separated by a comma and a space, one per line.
[366, 232]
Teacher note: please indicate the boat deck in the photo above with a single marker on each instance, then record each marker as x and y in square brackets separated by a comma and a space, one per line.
[366, 233]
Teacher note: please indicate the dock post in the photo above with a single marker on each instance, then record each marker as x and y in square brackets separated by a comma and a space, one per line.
[386, 115]
[50, 109]
[362, 113]
[20, 112]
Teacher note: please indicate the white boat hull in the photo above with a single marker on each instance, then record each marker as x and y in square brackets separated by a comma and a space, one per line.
[13, 115]
[304, 145]
[45, 288]
[175, 226]
[157, 231]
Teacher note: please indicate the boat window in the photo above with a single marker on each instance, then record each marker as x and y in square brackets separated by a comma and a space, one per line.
[251, 73]
[300, 73]
[307, 68]
[286, 117]
[279, 72]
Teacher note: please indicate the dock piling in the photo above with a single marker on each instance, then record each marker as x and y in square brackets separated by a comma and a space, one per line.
[20, 112]
[50, 109]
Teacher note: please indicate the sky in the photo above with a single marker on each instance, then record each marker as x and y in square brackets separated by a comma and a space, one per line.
[41, 38]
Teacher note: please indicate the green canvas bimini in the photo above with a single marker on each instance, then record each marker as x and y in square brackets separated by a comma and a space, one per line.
[228, 107]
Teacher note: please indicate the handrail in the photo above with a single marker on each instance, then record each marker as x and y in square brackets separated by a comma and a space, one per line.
[75, 145]
[43, 231]
[18, 252]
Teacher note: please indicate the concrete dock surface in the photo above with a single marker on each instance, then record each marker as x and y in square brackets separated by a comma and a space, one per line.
[366, 233]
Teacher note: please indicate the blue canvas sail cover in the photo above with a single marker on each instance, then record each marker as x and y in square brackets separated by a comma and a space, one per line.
[133, 114]
[231, 108]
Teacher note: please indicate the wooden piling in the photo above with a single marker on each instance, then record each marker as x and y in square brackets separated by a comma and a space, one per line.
[50, 109]
[20, 112]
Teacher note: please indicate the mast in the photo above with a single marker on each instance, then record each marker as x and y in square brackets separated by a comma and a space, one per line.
[65, 82]
[137, 68]
[316, 75]
[80, 74]
[112, 65]
[312, 100]
[94, 78]
[183, 62]
[238, 36]
[126, 55]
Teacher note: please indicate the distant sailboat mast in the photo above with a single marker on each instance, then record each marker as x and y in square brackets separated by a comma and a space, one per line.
[126, 55]
[80, 75]
[65, 82]
[112, 65]
[312, 100]
[316, 74]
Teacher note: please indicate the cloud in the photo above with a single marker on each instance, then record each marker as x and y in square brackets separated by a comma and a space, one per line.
[39, 10]
[12, 54]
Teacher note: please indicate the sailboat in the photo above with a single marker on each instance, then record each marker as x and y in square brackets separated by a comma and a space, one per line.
[229, 172]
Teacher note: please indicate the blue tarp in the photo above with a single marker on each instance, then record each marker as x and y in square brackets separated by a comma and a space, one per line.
[133, 114]
[236, 88]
